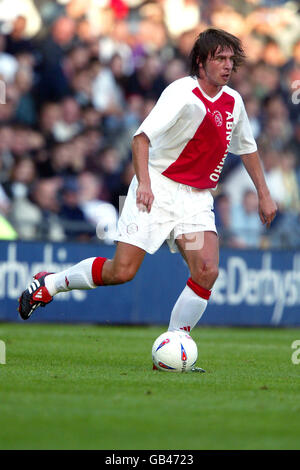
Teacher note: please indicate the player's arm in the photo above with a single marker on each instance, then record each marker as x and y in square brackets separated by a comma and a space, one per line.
[140, 155]
[164, 114]
[266, 206]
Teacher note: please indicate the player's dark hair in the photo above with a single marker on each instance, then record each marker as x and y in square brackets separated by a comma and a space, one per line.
[207, 44]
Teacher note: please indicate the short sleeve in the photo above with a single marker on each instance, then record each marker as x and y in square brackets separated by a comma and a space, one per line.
[242, 140]
[164, 114]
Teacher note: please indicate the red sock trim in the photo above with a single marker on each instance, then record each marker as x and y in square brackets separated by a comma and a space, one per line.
[97, 270]
[201, 291]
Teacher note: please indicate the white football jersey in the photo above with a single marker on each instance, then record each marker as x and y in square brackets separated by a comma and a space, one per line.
[191, 133]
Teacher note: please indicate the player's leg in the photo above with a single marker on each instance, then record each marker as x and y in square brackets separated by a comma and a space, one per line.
[201, 252]
[87, 274]
[98, 271]
[124, 266]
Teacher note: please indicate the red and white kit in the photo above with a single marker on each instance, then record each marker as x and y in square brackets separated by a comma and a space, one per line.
[190, 136]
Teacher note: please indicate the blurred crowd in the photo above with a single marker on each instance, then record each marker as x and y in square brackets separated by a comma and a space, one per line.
[79, 76]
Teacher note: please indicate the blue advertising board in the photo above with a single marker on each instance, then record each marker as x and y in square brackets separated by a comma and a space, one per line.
[258, 288]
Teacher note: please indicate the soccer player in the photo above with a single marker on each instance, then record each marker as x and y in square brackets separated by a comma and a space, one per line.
[178, 154]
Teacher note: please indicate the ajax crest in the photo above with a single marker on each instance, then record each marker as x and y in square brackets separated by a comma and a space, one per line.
[218, 118]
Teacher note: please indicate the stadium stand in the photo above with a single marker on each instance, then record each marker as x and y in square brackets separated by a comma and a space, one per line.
[79, 77]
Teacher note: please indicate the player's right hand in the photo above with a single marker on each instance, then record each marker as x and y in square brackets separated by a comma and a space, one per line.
[144, 197]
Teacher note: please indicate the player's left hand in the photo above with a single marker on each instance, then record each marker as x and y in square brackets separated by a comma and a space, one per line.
[267, 209]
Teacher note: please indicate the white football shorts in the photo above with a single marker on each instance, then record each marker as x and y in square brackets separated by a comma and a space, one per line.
[177, 209]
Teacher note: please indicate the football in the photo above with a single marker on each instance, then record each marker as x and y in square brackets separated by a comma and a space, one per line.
[174, 351]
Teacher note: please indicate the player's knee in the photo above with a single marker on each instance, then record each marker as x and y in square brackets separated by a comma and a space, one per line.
[206, 275]
[210, 272]
[124, 273]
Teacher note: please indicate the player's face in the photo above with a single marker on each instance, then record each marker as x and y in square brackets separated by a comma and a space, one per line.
[218, 69]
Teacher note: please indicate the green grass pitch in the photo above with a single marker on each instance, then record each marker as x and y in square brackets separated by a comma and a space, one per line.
[92, 387]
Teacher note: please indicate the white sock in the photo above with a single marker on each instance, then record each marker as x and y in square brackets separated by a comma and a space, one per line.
[78, 276]
[187, 311]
